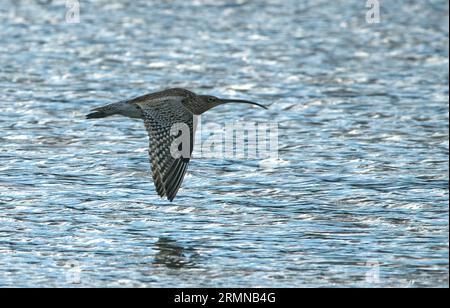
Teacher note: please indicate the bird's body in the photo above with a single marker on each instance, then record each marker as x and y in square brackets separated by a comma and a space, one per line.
[130, 108]
[166, 114]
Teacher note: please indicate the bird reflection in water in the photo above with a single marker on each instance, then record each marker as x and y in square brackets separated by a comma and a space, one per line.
[172, 255]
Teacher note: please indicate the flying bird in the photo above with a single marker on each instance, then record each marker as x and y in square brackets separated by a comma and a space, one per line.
[165, 114]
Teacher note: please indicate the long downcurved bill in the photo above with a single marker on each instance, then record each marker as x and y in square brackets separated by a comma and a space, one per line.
[241, 101]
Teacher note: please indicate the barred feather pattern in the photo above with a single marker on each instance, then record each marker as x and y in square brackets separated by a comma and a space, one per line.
[160, 115]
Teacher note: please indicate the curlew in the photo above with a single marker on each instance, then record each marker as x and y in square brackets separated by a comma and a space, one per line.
[166, 114]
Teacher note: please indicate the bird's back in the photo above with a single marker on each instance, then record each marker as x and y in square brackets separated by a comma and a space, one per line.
[165, 95]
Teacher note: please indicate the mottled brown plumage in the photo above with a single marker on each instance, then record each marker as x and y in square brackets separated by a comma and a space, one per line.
[166, 114]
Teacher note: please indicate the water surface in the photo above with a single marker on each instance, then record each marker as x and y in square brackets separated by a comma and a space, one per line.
[359, 196]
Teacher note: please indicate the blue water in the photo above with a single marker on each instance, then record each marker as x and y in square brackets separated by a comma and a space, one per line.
[359, 196]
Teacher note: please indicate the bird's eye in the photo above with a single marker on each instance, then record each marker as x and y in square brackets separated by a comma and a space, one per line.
[210, 99]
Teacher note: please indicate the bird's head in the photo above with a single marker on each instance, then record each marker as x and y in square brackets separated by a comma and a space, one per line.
[205, 102]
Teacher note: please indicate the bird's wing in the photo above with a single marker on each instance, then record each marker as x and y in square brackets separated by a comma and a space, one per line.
[168, 123]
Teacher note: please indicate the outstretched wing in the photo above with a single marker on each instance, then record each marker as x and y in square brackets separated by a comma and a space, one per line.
[170, 127]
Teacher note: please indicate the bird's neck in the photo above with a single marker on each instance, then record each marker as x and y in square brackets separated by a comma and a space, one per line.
[199, 107]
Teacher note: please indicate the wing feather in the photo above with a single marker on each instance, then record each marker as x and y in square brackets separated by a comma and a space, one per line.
[159, 117]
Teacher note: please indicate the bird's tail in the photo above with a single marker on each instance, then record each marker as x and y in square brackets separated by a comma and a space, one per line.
[103, 112]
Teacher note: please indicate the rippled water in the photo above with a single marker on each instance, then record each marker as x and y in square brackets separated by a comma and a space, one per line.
[360, 194]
